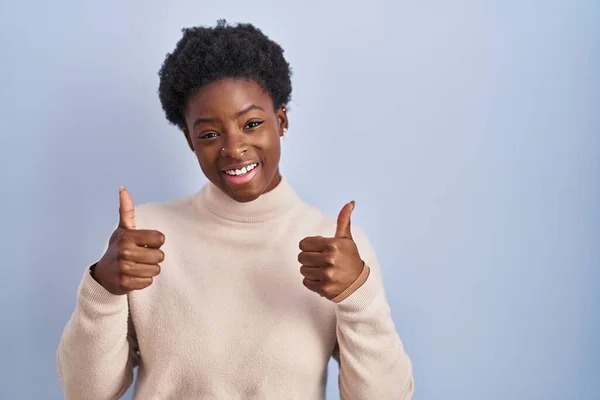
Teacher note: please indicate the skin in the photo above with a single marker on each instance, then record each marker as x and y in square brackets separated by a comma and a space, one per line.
[230, 122]
[331, 265]
[132, 258]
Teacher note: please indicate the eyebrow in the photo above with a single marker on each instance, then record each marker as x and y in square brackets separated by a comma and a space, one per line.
[237, 115]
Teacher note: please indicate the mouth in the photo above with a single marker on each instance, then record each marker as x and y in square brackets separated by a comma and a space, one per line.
[240, 174]
[240, 170]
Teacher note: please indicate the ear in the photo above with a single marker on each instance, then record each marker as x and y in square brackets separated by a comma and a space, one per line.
[282, 119]
[187, 137]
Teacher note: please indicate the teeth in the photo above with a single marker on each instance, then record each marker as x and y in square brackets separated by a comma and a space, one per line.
[243, 171]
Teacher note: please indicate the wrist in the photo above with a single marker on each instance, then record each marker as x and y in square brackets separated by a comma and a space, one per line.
[94, 272]
[360, 280]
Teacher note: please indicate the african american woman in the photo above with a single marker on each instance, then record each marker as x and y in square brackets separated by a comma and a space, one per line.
[241, 290]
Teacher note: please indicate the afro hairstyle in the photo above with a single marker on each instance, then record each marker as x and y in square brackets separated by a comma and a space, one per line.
[208, 54]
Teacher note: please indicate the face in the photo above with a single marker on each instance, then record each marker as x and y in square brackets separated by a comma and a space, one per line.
[235, 131]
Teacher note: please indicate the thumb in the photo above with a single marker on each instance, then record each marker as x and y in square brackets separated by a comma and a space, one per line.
[126, 210]
[343, 221]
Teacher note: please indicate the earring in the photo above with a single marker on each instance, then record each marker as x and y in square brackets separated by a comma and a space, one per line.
[284, 132]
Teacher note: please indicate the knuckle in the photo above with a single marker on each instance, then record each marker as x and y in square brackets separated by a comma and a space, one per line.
[124, 267]
[328, 274]
[123, 252]
[329, 260]
[332, 246]
[123, 283]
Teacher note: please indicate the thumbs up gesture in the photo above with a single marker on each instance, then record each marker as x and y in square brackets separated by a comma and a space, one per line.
[331, 265]
[133, 255]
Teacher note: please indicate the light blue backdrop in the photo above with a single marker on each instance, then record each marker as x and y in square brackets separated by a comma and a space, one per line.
[467, 132]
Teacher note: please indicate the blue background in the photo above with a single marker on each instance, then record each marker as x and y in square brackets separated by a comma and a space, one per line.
[468, 133]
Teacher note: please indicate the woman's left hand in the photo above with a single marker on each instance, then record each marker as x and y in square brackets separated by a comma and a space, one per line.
[331, 265]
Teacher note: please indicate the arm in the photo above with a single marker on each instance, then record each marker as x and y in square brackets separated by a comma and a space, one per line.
[98, 349]
[373, 364]
[95, 359]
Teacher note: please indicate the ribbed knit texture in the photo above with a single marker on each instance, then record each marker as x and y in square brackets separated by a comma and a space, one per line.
[228, 317]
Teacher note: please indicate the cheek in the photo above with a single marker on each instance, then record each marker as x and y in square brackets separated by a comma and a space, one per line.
[271, 143]
[272, 150]
[205, 158]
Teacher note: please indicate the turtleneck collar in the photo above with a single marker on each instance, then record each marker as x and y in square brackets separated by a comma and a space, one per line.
[266, 207]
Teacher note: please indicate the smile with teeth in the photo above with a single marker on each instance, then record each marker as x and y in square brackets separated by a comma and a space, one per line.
[241, 171]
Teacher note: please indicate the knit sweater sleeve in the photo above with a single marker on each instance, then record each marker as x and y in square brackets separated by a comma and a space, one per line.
[373, 363]
[96, 354]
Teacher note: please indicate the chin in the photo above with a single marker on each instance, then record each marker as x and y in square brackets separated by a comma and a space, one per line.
[243, 196]
[243, 193]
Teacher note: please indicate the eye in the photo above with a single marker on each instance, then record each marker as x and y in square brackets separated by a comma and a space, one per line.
[253, 124]
[208, 135]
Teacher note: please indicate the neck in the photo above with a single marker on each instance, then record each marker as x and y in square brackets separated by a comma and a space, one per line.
[274, 182]
[276, 201]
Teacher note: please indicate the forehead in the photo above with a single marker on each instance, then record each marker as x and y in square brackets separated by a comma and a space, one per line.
[228, 96]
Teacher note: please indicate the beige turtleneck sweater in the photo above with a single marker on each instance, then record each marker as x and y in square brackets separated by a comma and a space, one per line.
[229, 318]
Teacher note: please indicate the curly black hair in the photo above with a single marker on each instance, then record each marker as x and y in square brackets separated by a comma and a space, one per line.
[208, 54]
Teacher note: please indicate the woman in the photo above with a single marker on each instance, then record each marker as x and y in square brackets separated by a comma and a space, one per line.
[257, 289]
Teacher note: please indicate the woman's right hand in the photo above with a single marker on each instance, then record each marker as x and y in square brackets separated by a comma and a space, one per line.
[133, 256]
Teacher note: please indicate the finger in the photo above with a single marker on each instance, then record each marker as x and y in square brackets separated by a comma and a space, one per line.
[141, 255]
[311, 273]
[146, 238]
[311, 259]
[138, 270]
[343, 221]
[314, 286]
[126, 210]
[135, 283]
[314, 243]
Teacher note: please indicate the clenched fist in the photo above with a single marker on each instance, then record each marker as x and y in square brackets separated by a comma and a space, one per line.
[133, 256]
[331, 265]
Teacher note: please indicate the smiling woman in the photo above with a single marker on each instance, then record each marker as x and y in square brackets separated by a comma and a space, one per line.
[257, 289]
[233, 124]
[226, 88]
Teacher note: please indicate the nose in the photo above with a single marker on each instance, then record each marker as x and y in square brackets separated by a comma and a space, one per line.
[234, 146]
